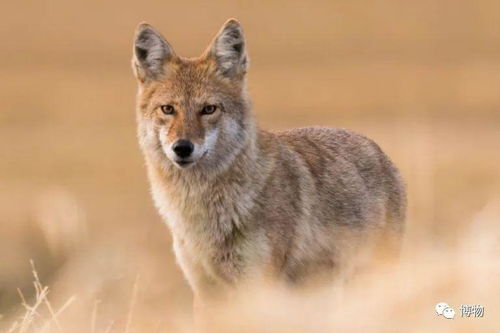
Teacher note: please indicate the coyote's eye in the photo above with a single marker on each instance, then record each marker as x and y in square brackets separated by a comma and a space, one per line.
[209, 109]
[167, 109]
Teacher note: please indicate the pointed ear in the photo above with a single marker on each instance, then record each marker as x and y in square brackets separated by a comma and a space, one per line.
[151, 52]
[229, 50]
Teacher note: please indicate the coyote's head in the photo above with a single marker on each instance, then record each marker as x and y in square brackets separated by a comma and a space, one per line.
[192, 112]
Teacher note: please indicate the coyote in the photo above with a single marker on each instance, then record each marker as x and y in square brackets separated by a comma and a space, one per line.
[242, 202]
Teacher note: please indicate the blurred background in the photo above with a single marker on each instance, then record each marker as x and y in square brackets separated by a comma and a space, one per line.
[421, 78]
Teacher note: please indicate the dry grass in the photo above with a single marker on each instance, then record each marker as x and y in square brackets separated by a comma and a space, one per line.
[421, 78]
[33, 319]
[399, 297]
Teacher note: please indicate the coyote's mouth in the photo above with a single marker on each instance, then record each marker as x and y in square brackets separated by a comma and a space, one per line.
[184, 163]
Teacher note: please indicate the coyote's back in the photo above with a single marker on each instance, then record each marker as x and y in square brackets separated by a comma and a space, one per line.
[341, 194]
[244, 203]
[353, 178]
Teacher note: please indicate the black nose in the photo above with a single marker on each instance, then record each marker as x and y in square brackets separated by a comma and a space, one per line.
[183, 148]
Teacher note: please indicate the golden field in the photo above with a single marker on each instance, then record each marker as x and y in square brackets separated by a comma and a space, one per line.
[422, 78]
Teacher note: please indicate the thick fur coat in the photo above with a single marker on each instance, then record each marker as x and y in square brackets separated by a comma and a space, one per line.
[246, 203]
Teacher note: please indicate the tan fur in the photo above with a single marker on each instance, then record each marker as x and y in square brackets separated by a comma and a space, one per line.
[293, 206]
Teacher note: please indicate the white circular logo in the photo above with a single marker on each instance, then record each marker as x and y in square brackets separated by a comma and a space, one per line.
[449, 313]
[440, 308]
